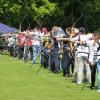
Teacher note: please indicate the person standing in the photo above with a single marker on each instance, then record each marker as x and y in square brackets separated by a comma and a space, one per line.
[55, 61]
[10, 45]
[20, 41]
[36, 43]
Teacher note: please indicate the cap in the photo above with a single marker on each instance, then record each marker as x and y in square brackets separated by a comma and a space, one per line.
[82, 29]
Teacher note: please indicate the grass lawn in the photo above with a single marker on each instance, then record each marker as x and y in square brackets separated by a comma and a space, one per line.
[19, 81]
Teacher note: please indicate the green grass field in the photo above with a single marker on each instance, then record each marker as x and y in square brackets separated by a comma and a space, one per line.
[19, 81]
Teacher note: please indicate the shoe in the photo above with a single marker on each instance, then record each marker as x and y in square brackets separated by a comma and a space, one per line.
[34, 62]
[98, 90]
[15, 58]
[67, 77]
[92, 87]
[78, 83]
[56, 72]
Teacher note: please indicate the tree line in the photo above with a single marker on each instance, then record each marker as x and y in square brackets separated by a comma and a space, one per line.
[26, 14]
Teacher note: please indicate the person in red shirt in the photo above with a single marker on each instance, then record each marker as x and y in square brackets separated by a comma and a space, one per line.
[28, 45]
[20, 42]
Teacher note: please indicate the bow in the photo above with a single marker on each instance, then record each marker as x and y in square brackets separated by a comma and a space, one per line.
[71, 34]
[77, 20]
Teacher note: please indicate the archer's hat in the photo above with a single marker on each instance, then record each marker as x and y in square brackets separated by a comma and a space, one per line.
[82, 29]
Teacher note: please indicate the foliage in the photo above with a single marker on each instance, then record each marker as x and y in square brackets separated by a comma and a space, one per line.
[29, 13]
[15, 12]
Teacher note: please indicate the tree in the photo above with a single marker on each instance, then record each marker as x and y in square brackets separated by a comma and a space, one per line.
[28, 13]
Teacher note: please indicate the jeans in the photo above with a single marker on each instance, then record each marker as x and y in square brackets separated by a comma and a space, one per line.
[98, 68]
[36, 53]
[65, 64]
[44, 58]
[11, 50]
[54, 60]
[93, 75]
[71, 64]
[21, 51]
[15, 51]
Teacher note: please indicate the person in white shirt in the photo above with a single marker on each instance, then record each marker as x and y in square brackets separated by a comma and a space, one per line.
[95, 59]
[36, 42]
[82, 51]
[10, 45]
[81, 65]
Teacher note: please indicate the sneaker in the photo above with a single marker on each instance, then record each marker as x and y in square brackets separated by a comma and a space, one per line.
[34, 62]
[92, 87]
[98, 90]
[66, 77]
[78, 83]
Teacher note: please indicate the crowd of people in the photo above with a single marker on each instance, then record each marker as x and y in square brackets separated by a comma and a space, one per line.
[74, 51]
